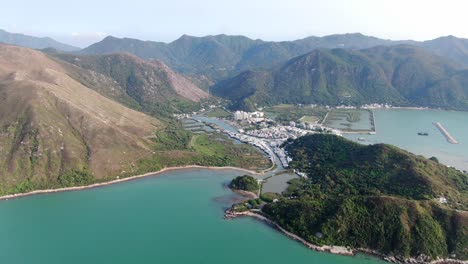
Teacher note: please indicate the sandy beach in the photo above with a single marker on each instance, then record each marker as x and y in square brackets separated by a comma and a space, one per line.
[97, 185]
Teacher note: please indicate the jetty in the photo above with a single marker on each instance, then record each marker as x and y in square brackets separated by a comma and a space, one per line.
[446, 134]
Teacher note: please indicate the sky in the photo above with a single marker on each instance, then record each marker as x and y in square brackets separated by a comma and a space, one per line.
[84, 22]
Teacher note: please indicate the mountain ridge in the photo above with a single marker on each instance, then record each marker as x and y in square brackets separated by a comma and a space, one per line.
[220, 55]
[402, 75]
[150, 86]
[34, 42]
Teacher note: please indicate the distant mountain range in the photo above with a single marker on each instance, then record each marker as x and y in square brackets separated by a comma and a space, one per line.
[335, 69]
[222, 56]
[33, 42]
[401, 75]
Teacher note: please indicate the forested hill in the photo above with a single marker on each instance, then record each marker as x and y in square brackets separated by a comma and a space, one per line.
[401, 75]
[378, 197]
[221, 56]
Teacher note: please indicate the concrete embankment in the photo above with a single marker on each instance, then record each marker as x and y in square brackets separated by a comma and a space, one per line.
[450, 138]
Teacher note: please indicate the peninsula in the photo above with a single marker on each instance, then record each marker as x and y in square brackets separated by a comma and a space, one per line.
[376, 199]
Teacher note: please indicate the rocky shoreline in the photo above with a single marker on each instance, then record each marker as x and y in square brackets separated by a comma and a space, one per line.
[339, 250]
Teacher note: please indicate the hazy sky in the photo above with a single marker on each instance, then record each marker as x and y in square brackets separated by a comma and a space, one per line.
[86, 21]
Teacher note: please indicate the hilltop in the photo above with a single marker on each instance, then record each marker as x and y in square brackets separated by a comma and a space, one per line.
[221, 56]
[377, 197]
[449, 47]
[401, 75]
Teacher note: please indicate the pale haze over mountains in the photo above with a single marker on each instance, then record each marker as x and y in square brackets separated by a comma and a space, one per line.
[90, 21]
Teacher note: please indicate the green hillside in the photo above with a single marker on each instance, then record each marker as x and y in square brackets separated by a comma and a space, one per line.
[449, 47]
[222, 56]
[399, 75]
[378, 197]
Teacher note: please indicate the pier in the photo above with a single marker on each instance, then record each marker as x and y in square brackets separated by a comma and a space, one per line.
[446, 134]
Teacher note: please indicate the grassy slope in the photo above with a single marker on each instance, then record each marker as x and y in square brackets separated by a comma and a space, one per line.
[56, 132]
[51, 124]
[377, 197]
[178, 148]
[150, 87]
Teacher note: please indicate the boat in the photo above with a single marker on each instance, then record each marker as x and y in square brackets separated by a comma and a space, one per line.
[423, 134]
[361, 139]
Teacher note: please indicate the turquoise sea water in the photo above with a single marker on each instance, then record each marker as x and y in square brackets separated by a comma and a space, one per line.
[400, 127]
[176, 217]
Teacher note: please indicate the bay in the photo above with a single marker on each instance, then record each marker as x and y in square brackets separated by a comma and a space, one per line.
[176, 217]
[400, 127]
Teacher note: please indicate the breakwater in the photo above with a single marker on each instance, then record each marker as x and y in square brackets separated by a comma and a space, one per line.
[446, 134]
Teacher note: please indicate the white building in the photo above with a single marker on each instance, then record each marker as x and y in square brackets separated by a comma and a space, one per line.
[255, 116]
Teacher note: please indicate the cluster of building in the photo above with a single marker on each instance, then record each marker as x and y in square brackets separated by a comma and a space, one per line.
[302, 174]
[282, 156]
[375, 106]
[182, 116]
[293, 131]
[250, 116]
[278, 132]
[267, 137]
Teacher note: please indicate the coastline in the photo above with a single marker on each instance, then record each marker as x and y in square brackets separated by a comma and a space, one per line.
[340, 250]
[116, 181]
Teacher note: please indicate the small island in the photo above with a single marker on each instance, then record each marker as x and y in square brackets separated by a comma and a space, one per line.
[245, 183]
[375, 199]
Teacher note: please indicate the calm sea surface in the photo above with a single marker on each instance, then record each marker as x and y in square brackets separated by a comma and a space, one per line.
[176, 217]
[400, 127]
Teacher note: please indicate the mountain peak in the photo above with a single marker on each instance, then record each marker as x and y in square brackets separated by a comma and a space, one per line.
[33, 42]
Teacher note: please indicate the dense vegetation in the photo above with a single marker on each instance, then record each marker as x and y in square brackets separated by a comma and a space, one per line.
[245, 183]
[377, 197]
[221, 56]
[389, 225]
[342, 167]
[398, 75]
